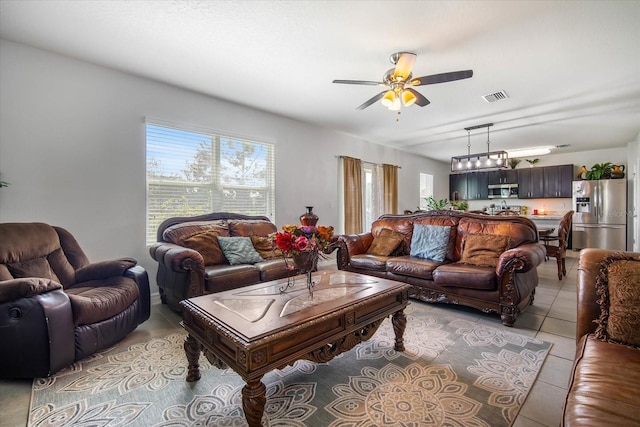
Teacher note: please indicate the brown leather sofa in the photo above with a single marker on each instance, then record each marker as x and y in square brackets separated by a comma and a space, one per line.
[55, 306]
[506, 286]
[183, 272]
[604, 384]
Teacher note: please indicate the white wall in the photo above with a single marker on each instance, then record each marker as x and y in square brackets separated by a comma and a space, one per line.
[633, 181]
[72, 145]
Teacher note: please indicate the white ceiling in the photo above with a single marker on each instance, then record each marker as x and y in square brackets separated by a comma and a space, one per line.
[571, 68]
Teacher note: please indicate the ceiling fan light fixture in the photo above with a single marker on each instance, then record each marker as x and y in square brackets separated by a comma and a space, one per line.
[396, 104]
[388, 99]
[408, 98]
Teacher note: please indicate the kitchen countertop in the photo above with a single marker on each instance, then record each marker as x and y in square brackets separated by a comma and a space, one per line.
[544, 217]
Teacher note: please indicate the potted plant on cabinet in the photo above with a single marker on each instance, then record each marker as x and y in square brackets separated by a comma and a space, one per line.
[513, 162]
[599, 171]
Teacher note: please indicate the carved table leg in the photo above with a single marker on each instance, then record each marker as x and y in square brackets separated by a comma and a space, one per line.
[192, 350]
[253, 400]
[399, 321]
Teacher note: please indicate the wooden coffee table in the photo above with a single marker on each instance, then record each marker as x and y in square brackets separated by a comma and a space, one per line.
[256, 329]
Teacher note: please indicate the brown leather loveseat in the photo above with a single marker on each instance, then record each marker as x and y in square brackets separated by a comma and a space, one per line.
[190, 262]
[55, 306]
[486, 262]
[604, 383]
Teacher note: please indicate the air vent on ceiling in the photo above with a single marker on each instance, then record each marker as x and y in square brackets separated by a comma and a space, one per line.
[497, 96]
[563, 145]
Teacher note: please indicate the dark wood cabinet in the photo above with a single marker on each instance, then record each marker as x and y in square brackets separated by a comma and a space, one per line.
[533, 183]
[458, 186]
[557, 181]
[503, 176]
[477, 186]
[530, 183]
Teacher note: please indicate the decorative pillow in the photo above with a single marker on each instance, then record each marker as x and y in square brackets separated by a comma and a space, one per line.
[618, 286]
[239, 250]
[207, 244]
[265, 248]
[483, 249]
[385, 242]
[430, 241]
[178, 232]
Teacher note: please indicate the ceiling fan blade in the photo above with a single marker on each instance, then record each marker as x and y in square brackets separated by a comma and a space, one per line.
[372, 100]
[420, 99]
[441, 78]
[404, 66]
[359, 82]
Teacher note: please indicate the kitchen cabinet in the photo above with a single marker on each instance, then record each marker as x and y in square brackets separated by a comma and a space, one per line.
[557, 181]
[503, 176]
[530, 183]
[477, 186]
[458, 186]
[469, 186]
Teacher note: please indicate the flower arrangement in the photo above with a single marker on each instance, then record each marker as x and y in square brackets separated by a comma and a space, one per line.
[296, 239]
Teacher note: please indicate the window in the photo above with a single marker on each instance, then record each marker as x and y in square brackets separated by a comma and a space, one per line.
[372, 200]
[426, 189]
[193, 173]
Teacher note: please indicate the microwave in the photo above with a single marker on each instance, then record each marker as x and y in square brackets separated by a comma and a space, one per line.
[503, 191]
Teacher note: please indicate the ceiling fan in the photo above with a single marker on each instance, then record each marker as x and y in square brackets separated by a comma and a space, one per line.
[399, 83]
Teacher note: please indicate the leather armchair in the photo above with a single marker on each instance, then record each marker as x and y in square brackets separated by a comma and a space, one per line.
[55, 306]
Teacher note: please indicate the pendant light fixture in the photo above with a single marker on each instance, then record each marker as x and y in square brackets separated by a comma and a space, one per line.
[488, 160]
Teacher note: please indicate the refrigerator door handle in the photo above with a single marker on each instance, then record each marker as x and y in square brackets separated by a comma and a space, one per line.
[597, 201]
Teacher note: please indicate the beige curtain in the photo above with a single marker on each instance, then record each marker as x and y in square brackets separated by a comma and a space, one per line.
[352, 195]
[390, 179]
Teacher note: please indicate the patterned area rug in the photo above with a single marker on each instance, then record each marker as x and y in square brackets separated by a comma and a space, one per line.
[454, 372]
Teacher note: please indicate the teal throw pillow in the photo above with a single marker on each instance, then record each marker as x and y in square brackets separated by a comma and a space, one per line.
[430, 241]
[239, 250]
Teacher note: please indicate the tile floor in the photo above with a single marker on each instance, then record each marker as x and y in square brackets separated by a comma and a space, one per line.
[552, 318]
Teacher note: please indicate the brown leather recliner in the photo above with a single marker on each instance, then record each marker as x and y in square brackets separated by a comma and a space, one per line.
[55, 306]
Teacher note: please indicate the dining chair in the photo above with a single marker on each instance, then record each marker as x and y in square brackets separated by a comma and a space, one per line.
[561, 240]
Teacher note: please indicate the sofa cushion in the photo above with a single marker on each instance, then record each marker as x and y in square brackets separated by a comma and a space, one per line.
[445, 221]
[385, 242]
[603, 390]
[265, 248]
[430, 241]
[178, 232]
[618, 285]
[412, 266]
[466, 276]
[206, 243]
[402, 225]
[239, 250]
[251, 227]
[99, 300]
[35, 267]
[483, 249]
[223, 277]
[369, 262]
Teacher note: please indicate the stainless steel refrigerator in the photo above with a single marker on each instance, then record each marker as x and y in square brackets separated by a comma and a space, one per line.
[600, 218]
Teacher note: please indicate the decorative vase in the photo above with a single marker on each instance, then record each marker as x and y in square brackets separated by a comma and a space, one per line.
[309, 218]
[306, 263]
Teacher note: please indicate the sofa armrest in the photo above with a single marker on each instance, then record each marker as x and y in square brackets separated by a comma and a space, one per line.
[177, 258]
[104, 269]
[38, 336]
[352, 244]
[11, 290]
[522, 258]
[140, 276]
